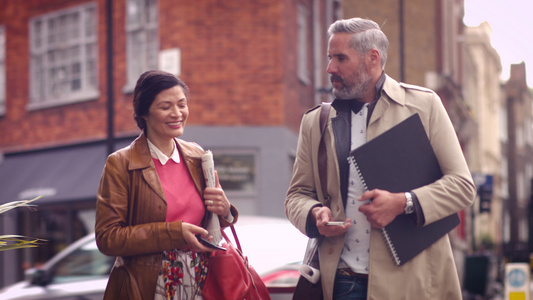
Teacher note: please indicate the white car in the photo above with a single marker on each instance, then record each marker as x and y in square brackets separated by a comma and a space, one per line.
[273, 247]
[79, 271]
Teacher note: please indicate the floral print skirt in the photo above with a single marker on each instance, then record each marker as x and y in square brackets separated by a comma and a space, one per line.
[182, 276]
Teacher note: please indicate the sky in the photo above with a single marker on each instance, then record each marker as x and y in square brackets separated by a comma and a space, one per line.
[512, 30]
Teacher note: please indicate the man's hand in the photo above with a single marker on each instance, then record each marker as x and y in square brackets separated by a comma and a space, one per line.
[383, 208]
[323, 215]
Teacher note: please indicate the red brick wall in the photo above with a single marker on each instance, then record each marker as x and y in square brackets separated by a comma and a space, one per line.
[21, 128]
[238, 58]
[420, 34]
[232, 59]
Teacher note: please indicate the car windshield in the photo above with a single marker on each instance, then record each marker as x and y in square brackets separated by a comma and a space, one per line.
[83, 263]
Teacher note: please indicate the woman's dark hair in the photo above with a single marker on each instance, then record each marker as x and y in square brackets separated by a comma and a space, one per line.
[148, 86]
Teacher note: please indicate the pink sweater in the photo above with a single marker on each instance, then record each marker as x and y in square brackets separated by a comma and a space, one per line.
[183, 199]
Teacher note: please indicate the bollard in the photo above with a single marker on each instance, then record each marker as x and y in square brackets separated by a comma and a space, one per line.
[517, 286]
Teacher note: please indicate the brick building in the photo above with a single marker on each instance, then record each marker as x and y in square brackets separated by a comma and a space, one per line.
[517, 170]
[67, 72]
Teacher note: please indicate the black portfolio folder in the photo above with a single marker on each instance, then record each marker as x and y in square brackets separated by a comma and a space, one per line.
[399, 160]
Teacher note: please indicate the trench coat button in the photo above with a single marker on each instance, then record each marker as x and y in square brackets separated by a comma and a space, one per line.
[338, 209]
[330, 251]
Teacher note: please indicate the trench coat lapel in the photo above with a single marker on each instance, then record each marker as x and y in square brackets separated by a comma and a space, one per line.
[391, 92]
[341, 131]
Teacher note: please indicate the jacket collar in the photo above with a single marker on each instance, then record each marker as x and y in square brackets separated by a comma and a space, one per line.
[162, 157]
[393, 90]
[140, 153]
[141, 157]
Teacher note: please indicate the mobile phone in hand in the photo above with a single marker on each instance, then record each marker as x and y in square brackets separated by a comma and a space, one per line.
[334, 223]
[209, 244]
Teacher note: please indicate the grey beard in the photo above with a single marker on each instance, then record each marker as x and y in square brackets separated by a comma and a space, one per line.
[356, 92]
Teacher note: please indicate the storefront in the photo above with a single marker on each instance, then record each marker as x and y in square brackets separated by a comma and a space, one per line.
[68, 179]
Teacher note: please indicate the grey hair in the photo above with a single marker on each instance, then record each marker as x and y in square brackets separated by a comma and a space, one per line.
[367, 35]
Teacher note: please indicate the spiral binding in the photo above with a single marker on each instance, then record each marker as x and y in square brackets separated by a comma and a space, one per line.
[390, 245]
[351, 160]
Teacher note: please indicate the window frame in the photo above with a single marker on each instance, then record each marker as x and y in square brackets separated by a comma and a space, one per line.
[143, 32]
[303, 44]
[64, 57]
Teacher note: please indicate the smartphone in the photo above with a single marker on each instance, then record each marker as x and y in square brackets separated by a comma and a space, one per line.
[334, 223]
[209, 244]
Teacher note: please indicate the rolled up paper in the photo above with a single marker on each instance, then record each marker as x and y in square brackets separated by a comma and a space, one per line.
[213, 225]
[208, 166]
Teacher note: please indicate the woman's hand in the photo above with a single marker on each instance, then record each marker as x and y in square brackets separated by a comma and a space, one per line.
[190, 232]
[216, 200]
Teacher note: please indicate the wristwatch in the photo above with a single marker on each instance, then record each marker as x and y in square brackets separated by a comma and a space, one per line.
[409, 206]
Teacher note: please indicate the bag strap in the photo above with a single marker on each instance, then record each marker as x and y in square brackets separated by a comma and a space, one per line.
[234, 232]
[322, 155]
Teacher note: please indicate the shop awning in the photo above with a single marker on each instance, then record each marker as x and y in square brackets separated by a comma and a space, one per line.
[60, 175]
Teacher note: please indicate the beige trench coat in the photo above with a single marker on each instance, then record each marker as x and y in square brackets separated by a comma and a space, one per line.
[430, 275]
[130, 218]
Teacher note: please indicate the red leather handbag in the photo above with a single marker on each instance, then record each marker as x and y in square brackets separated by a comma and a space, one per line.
[231, 277]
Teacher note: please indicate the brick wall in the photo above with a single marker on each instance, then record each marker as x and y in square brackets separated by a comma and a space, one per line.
[420, 34]
[238, 58]
[23, 129]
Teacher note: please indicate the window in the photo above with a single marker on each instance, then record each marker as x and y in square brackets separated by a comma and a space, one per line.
[303, 45]
[2, 70]
[236, 171]
[141, 38]
[63, 50]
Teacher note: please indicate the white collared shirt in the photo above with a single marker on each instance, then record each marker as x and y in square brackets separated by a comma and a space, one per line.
[157, 154]
[355, 253]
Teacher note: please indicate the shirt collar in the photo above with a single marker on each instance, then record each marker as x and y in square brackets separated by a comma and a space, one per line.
[157, 154]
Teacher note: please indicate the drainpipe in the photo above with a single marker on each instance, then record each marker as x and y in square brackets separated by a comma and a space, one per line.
[402, 41]
[109, 74]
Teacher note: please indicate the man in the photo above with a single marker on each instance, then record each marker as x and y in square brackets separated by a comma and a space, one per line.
[354, 260]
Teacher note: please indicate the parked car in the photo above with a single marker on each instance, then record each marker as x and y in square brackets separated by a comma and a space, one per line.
[78, 270]
[273, 246]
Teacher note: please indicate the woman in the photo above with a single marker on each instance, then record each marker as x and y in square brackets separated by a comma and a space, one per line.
[153, 202]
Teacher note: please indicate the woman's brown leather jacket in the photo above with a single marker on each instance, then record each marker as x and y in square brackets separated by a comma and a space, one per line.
[130, 217]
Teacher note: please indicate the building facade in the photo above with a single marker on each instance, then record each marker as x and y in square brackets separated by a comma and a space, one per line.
[517, 145]
[67, 73]
[482, 92]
